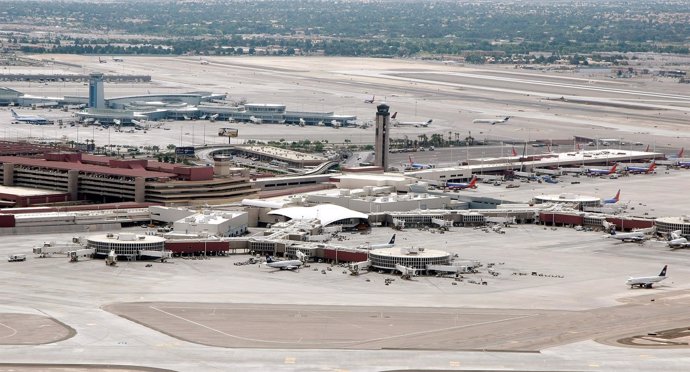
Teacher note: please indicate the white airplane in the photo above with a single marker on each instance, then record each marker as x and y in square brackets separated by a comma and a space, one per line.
[302, 122]
[213, 117]
[414, 165]
[30, 119]
[118, 121]
[336, 124]
[286, 264]
[647, 281]
[118, 59]
[255, 120]
[490, 121]
[397, 123]
[635, 236]
[678, 241]
[203, 117]
[390, 244]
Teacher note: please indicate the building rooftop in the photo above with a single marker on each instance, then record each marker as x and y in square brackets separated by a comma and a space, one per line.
[283, 153]
[26, 191]
[326, 213]
[89, 168]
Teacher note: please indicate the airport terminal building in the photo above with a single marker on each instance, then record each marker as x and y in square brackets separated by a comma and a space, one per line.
[101, 179]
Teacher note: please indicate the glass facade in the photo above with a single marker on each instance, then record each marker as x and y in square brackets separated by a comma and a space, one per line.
[124, 248]
[388, 261]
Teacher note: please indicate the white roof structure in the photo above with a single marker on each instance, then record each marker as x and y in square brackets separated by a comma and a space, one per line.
[326, 213]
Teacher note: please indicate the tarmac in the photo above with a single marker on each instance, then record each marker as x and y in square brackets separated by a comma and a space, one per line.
[452, 95]
[210, 314]
[569, 318]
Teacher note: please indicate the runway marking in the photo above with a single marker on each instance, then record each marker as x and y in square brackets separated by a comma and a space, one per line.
[417, 333]
[14, 331]
[272, 308]
[341, 342]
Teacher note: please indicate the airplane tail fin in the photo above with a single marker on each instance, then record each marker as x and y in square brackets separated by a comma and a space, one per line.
[681, 152]
[651, 167]
[473, 182]
[514, 152]
[269, 259]
[410, 158]
[663, 271]
[14, 114]
[392, 241]
[647, 149]
[429, 122]
[613, 169]
[394, 115]
[618, 196]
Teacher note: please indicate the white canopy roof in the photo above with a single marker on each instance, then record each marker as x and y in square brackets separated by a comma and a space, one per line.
[326, 213]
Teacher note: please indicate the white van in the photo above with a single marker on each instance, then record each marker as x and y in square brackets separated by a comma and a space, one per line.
[16, 257]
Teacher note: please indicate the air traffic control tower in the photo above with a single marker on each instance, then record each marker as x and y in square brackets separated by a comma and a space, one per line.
[96, 96]
[381, 146]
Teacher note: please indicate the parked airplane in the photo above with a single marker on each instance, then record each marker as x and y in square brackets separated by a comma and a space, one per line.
[549, 179]
[336, 124]
[390, 244]
[602, 172]
[463, 185]
[373, 98]
[302, 122]
[635, 236]
[255, 120]
[414, 165]
[679, 155]
[286, 264]
[491, 121]
[514, 153]
[639, 170]
[678, 241]
[397, 123]
[30, 119]
[615, 199]
[646, 281]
